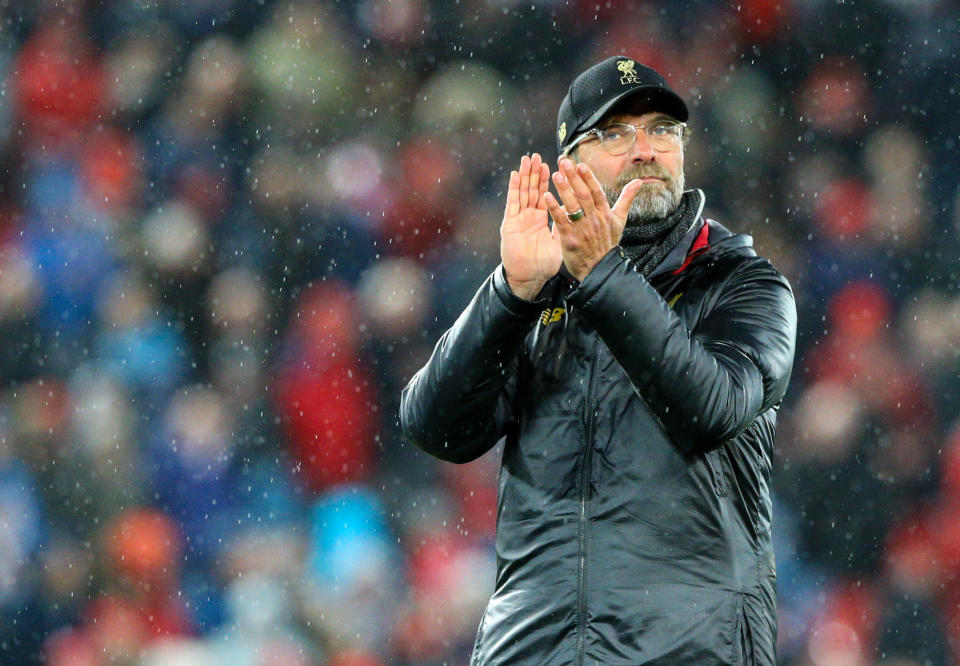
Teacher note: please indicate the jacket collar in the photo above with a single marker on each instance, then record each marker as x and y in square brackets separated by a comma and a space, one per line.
[705, 237]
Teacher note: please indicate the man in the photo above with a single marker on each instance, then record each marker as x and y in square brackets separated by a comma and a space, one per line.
[633, 356]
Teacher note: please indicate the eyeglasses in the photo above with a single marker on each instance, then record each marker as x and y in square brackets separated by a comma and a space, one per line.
[618, 138]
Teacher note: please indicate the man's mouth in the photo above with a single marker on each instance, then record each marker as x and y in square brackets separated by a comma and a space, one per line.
[652, 180]
[645, 178]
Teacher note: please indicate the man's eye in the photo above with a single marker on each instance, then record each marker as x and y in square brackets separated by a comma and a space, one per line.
[613, 135]
[662, 129]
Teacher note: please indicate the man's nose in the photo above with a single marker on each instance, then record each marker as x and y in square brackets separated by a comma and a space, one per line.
[642, 151]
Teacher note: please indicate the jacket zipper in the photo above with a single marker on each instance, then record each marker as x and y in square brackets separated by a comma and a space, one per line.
[585, 472]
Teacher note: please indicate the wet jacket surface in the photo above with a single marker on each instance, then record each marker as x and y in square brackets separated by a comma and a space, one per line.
[634, 509]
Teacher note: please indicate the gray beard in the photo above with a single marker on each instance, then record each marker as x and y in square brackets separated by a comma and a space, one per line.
[653, 201]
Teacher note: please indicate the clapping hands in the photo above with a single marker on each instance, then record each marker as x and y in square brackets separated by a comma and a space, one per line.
[530, 250]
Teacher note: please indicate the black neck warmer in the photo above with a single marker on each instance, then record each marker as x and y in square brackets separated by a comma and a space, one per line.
[649, 243]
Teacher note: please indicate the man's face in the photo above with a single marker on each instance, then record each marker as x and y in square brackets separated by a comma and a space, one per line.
[661, 171]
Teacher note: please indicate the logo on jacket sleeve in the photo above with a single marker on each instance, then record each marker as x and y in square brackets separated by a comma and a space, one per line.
[549, 316]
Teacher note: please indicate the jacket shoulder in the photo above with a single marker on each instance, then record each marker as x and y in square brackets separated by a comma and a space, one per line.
[732, 253]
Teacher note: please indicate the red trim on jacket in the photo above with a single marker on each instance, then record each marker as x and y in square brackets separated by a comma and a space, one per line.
[700, 245]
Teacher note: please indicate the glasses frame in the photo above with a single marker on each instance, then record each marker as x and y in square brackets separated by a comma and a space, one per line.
[598, 133]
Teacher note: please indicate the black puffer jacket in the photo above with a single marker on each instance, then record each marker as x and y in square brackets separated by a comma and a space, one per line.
[634, 507]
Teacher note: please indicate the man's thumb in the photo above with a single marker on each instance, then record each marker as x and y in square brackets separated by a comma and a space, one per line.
[627, 195]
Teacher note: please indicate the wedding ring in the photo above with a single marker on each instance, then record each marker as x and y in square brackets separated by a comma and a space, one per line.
[575, 215]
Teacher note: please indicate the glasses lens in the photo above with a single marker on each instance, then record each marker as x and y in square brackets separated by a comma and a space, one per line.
[664, 135]
[618, 138]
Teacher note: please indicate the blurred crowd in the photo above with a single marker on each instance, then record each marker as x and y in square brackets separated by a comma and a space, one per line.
[231, 230]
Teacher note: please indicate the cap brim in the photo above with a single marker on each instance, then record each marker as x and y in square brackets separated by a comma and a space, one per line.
[662, 99]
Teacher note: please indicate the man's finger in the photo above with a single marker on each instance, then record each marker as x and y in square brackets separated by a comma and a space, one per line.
[629, 193]
[561, 223]
[596, 191]
[565, 192]
[513, 195]
[580, 189]
[534, 190]
[524, 180]
[544, 186]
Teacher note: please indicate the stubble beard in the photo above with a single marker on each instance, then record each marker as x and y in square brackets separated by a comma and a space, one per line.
[654, 201]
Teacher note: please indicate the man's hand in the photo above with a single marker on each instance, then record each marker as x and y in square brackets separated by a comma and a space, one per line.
[585, 241]
[529, 250]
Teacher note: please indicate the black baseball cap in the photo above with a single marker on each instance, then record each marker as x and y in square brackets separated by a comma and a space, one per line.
[597, 90]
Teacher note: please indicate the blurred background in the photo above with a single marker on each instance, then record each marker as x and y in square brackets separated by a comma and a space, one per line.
[231, 230]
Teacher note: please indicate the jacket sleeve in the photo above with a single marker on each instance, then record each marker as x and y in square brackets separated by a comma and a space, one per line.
[710, 384]
[458, 405]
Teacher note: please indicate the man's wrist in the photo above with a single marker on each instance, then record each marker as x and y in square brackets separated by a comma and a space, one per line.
[526, 291]
[597, 275]
[582, 271]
